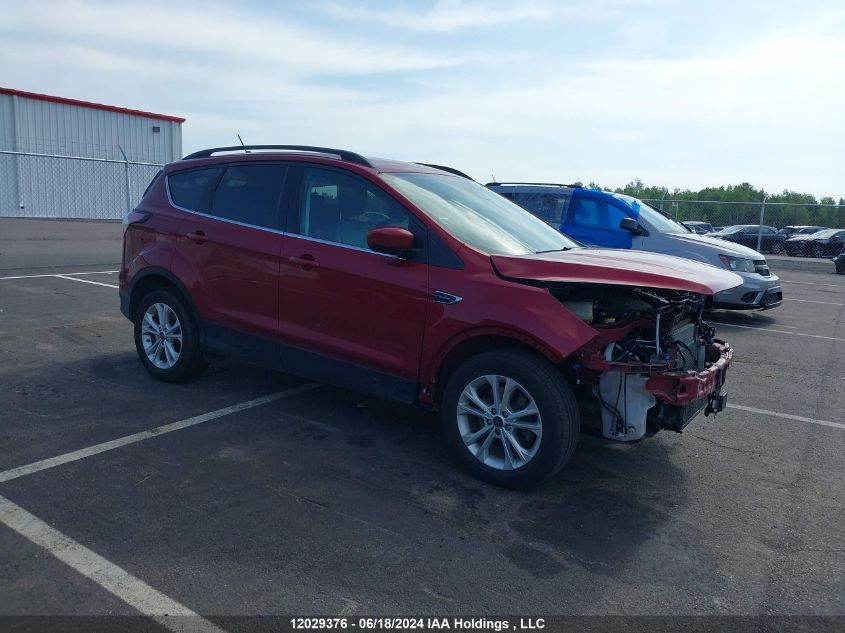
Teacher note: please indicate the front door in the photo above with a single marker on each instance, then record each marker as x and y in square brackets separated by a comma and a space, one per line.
[594, 220]
[352, 316]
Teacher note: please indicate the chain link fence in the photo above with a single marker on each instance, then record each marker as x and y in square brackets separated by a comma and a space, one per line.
[763, 225]
[71, 187]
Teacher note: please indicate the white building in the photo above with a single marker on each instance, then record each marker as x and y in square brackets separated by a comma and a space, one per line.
[64, 158]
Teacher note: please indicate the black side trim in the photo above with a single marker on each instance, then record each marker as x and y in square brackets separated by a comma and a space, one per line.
[441, 255]
[275, 355]
[348, 375]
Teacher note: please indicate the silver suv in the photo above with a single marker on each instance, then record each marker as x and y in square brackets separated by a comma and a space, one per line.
[612, 220]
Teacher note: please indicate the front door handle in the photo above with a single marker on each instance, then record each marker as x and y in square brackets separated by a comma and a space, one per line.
[197, 236]
[306, 262]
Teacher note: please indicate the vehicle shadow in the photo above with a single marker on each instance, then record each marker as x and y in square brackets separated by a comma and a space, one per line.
[753, 318]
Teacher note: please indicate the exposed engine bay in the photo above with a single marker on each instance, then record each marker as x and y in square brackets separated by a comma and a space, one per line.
[654, 362]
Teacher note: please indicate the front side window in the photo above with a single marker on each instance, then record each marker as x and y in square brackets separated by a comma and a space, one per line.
[342, 208]
[250, 194]
[188, 189]
[656, 219]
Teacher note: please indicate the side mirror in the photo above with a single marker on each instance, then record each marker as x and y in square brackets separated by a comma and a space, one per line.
[391, 240]
[631, 225]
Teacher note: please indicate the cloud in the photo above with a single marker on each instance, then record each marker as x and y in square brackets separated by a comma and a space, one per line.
[449, 16]
[220, 33]
[446, 16]
[528, 97]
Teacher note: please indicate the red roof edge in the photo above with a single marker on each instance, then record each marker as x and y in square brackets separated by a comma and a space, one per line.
[89, 104]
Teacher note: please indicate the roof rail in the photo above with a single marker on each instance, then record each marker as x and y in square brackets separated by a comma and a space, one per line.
[351, 157]
[533, 184]
[451, 170]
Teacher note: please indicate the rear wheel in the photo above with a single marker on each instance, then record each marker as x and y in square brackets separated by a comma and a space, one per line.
[817, 251]
[510, 418]
[166, 337]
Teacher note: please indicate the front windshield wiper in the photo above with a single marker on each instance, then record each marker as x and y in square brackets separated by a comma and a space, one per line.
[557, 250]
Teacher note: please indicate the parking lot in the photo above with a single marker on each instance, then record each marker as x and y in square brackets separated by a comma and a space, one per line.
[263, 494]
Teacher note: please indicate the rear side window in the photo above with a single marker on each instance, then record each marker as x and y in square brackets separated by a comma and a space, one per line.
[250, 194]
[188, 189]
[548, 207]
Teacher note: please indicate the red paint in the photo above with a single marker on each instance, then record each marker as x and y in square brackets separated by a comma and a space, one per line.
[675, 389]
[376, 311]
[390, 239]
[89, 104]
[354, 305]
[618, 266]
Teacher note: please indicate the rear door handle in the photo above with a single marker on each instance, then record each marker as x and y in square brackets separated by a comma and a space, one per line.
[306, 262]
[197, 236]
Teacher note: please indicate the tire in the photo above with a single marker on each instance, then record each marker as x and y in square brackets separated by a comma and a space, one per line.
[532, 378]
[173, 353]
[775, 248]
[817, 251]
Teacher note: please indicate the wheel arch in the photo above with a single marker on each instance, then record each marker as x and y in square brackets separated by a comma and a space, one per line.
[155, 278]
[468, 346]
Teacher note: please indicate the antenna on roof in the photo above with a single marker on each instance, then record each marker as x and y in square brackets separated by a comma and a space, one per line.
[246, 151]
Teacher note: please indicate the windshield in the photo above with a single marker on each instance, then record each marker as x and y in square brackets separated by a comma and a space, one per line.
[661, 223]
[478, 216]
[825, 233]
[730, 229]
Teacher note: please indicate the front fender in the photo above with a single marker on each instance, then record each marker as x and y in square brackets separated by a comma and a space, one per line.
[527, 314]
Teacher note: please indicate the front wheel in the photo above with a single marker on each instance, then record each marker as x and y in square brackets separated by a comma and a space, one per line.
[166, 337]
[510, 417]
[775, 248]
[817, 251]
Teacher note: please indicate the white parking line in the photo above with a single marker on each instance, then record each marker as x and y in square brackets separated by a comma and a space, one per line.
[766, 329]
[787, 416]
[827, 303]
[133, 591]
[87, 281]
[82, 453]
[92, 272]
[812, 283]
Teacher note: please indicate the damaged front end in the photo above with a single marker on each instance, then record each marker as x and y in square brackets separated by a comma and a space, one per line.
[655, 363]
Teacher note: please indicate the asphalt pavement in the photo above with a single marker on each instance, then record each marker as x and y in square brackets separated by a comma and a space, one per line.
[318, 501]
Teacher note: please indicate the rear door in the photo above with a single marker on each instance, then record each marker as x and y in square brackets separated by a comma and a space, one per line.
[351, 315]
[594, 220]
[235, 243]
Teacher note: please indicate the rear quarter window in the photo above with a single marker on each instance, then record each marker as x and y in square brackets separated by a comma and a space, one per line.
[189, 189]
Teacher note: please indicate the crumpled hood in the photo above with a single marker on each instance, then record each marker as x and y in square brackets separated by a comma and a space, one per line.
[617, 267]
[723, 246]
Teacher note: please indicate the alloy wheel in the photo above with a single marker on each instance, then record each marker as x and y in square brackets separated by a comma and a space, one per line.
[161, 335]
[499, 422]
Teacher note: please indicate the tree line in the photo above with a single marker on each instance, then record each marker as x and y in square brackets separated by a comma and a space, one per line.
[807, 209]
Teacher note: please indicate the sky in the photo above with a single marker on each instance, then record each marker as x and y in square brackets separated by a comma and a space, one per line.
[680, 94]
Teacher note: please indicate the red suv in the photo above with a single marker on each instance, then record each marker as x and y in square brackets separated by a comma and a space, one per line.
[420, 285]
